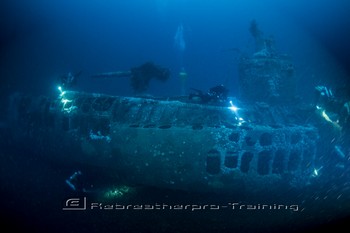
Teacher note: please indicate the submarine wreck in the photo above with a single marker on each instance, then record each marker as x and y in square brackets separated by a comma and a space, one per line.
[256, 142]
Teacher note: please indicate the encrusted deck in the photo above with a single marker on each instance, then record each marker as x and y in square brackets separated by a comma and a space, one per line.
[172, 143]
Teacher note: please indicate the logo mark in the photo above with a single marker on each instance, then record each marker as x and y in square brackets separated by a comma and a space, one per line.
[75, 204]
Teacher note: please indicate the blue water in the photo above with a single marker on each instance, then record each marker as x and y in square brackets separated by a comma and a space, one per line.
[41, 40]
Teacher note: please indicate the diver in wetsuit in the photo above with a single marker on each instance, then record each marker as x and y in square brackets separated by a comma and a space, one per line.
[337, 104]
[69, 80]
[335, 108]
[217, 94]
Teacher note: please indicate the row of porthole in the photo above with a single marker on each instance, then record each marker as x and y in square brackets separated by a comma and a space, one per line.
[264, 160]
[94, 104]
[149, 126]
[194, 127]
[265, 139]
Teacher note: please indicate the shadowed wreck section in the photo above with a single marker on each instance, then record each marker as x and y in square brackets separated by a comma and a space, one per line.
[171, 143]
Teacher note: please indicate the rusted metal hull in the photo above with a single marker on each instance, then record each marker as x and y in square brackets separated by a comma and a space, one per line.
[170, 143]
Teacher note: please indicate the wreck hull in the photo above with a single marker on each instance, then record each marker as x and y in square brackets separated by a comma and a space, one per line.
[168, 143]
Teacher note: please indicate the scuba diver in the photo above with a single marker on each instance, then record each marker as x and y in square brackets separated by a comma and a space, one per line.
[140, 76]
[324, 98]
[335, 106]
[69, 80]
[335, 109]
[217, 94]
